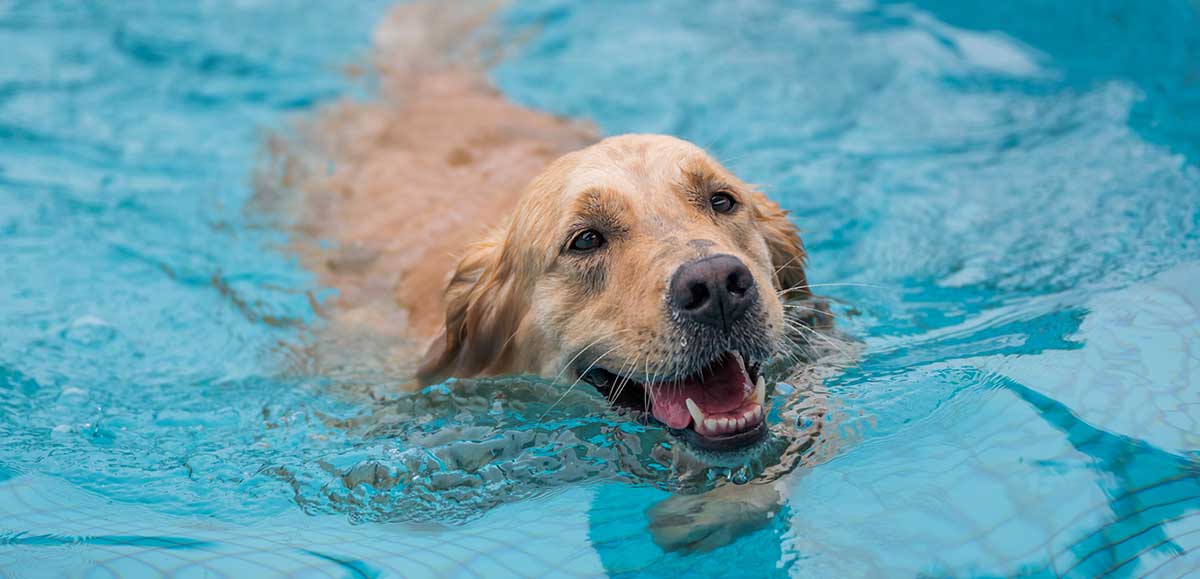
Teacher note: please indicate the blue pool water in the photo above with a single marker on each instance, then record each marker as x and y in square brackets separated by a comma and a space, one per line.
[1003, 197]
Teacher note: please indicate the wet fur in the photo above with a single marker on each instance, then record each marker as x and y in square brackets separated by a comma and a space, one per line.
[519, 303]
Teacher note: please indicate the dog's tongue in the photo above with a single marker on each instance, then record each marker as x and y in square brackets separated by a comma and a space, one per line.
[721, 388]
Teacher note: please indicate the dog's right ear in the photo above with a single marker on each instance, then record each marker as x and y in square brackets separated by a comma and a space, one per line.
[483, 311]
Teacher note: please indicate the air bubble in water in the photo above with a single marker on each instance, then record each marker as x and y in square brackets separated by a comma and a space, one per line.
[89, 331]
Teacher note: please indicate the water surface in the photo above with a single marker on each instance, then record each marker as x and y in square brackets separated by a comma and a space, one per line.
[1003, 199]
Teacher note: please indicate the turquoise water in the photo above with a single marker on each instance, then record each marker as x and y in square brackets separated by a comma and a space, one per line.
[1003, 197]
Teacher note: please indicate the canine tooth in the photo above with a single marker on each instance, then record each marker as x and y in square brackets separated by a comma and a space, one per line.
[697, 415]
[740, 361]
[710, 424]
[760, 391]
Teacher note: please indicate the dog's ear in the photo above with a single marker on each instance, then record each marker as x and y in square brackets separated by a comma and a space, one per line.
[483, 312]
[783, 241]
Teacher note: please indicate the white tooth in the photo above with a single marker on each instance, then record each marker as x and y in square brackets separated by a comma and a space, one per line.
[697, 415]
[760, 391]
[724, 422]
[741, 362]
[741, 423]
[710, 424]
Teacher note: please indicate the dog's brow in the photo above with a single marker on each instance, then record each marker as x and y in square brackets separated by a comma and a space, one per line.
[599, 207]
[700, 179]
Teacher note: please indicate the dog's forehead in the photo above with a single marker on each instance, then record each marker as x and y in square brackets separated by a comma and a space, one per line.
[637, 167]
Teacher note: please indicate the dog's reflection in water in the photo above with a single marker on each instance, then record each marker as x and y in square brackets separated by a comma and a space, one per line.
[450, 454]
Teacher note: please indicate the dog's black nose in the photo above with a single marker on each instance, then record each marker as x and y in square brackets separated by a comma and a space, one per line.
[713, 290]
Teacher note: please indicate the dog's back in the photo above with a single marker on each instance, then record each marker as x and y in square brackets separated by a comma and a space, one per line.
[417, 175]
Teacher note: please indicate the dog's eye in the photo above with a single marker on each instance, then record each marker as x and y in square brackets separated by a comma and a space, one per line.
[587, 240]
[722, 202]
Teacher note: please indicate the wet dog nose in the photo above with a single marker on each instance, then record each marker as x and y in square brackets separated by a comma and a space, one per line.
[713, 290]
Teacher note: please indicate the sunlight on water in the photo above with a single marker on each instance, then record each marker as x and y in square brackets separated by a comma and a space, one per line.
[1003, 202]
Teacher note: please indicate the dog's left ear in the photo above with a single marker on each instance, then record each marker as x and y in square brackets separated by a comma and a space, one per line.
[484, 310]
[783, 241]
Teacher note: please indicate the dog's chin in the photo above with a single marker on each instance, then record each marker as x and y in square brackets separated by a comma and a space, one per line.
[717, 412]
[728, 451]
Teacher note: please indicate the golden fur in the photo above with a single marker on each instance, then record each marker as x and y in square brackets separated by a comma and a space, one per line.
[385, 194]
[520, 303]
[440, 215]
[447, 212]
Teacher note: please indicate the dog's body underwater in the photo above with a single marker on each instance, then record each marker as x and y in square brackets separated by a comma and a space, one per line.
[468, 236]
[479, 238]
[637, 264]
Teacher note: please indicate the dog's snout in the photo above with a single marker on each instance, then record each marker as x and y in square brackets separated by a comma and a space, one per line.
[713, 290]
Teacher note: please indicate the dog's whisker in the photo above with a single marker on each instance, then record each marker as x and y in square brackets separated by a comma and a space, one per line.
[585, 349]
[809, 346]
[825, 339]
[646, 402]
[619, 387]
[794, 259]
[791, 349]
[843, 284]
[572, 386]
[808, 309]
[632, 367]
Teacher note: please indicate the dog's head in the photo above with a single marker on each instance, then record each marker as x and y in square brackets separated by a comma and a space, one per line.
[643, 267]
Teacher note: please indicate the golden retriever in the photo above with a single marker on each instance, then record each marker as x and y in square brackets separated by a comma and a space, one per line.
[643, 267]
[474, 237]
[638, 264]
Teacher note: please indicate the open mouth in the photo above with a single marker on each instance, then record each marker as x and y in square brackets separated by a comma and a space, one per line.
[717, 409]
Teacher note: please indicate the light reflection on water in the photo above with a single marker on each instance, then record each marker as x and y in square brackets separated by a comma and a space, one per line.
[1015, 187]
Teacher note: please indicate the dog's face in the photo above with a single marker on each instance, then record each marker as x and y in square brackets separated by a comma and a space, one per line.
[643, 267]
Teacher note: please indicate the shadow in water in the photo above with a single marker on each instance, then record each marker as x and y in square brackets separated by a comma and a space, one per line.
[353, 567]
[1148, 488]
[25, 539]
